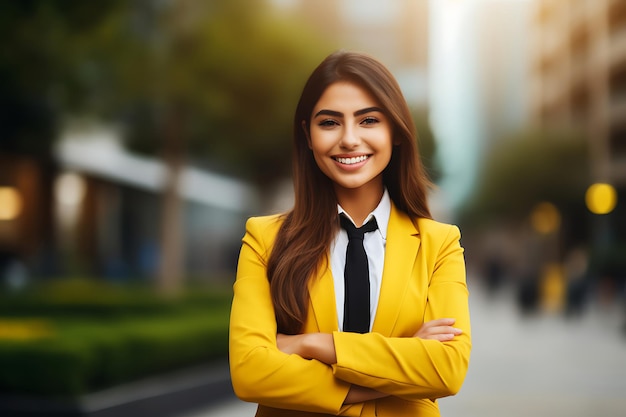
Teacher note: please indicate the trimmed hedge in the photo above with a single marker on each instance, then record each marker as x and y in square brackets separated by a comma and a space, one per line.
[68, 343]
[98, 298]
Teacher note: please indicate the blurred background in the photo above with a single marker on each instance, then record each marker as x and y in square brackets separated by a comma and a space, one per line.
[137, 136]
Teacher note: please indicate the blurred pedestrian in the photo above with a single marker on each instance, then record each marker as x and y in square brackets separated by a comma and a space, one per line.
[576, 271]
[370, 320]
[494, 273]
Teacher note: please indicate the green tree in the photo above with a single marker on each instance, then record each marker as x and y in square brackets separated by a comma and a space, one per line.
[211, 84]
[207, 83]
[528, 168]
[41, 67]
[426, 143]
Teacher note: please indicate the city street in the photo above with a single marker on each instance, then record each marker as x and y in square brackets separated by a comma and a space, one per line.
[541, 365]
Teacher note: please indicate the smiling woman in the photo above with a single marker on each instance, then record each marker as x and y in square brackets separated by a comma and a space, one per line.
[351, 140]
[370, 320]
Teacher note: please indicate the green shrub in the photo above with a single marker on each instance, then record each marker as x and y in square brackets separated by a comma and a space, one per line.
[67, 344]
[98, 298]
[43, 367]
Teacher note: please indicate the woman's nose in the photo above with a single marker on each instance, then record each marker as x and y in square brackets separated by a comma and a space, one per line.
[349, 138]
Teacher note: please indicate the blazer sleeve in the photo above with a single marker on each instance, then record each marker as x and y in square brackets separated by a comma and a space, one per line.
[410, 367]
[260, 372]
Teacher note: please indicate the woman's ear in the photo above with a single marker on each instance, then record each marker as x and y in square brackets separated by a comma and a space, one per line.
[306, 133]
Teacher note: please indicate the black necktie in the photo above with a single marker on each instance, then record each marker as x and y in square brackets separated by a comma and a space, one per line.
[356, 310]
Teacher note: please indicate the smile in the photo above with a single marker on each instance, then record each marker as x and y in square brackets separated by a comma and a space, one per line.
[351, 161]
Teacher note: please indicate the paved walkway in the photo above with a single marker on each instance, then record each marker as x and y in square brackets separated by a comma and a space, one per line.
[538, 366]
[542, 365]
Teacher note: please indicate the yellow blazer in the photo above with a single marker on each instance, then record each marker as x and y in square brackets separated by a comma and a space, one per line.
[423, 279]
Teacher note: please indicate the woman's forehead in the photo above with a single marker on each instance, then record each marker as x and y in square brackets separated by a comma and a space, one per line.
[346, 95]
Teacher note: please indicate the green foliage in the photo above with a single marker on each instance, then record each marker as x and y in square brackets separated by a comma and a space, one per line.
[43, 66]
[230, 70]
[86, 297]
[426, 143]
[42, 40]
[526, 169]
[96, 335]
[230, 73]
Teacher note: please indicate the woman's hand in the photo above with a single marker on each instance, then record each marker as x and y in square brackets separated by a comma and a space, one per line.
[440, 329]
[359, 394]
[320, 346]
[290, 344]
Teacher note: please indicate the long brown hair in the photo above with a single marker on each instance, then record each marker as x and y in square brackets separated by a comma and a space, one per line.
[305, 236]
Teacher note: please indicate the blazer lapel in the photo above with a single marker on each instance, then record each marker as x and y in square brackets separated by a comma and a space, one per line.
[400, 252]
[322, 293]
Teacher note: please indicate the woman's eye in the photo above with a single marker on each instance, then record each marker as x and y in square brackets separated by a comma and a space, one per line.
[327, 123]
[369, 121]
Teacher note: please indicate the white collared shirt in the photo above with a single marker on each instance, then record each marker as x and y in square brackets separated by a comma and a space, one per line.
[374, 244]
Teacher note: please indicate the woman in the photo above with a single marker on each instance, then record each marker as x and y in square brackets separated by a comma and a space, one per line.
[293, 347]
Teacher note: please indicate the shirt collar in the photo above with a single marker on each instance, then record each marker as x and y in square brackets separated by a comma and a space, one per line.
[381, 213]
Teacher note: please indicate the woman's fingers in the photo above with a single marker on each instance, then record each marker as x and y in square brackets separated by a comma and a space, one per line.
[439, 329]
[442, 337]
[439, 322]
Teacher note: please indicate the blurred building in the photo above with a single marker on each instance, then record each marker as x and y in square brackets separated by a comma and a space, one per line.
[121, 206]
[26, 226]
[97, 212]
[579, 81]
[478, 77]
[503, 51]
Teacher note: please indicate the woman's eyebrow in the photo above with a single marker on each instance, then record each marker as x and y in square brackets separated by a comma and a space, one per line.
[356, 113]
[329, 113]
[368, 110]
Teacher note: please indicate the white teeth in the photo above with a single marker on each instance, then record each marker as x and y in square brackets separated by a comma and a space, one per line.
[350, 161]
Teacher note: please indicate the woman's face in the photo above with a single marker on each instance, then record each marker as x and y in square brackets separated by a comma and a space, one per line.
[351, 137]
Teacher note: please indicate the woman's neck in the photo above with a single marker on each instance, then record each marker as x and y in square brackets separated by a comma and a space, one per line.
[359, 202]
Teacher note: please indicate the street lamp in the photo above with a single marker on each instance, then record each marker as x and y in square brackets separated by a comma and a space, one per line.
[545, 218]
[10, 203]
[601, 198]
